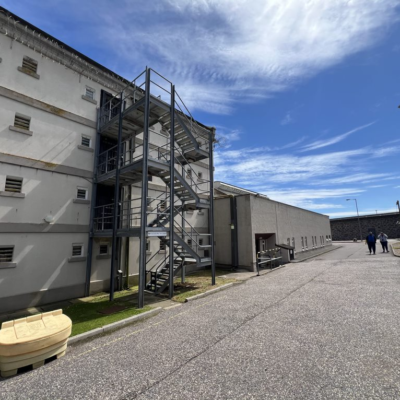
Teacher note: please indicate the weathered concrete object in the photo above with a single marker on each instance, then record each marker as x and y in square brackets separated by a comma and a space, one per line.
[31, 340]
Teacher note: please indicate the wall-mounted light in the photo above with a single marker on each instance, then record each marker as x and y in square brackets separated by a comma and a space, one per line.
[232, 226]
[49, 219]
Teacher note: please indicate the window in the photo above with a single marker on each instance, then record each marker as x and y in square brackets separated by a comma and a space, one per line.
[189, 242]
[150, 178]
[13, 184]
[189, 172]
[302, 242]
[22, 122]
[6, 253]
[86, 141]
[293, 242]
[81, 193]
[29, 65]
[89, 93]
[288, 241]
[103, 249]
[162, 246]
[77, 250]
[200, 242]
[147, 245]
[305, 241]
[200, 175]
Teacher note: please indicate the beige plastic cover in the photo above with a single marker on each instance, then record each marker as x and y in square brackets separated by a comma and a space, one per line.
[30, 334]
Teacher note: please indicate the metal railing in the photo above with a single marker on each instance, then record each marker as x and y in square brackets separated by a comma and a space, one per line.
[130, 152]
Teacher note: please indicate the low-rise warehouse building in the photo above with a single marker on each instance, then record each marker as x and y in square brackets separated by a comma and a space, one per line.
[247, 222]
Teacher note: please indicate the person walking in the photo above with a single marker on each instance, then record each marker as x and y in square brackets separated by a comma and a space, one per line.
[384, 241]
[371, 240]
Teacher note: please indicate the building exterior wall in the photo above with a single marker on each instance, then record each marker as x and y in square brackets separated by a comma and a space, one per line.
[348, 228]
[260, 215]
[222, 231]
[53, 164]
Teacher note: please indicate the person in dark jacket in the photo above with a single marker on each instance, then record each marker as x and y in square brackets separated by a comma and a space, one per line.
[371, 240]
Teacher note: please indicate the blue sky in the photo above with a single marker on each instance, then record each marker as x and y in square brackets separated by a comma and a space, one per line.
[304, 94]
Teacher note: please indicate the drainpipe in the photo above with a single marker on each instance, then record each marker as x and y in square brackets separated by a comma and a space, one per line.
[234, 233]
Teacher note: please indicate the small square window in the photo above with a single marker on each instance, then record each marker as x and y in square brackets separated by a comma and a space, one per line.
[77, 250]
[85, 141]
[148, 245]
[13, 184]
[162, 245]
[189, 172]
[103, 249]
[200, 175]
[29, 64]
[81, 193]
[6, 253]
[90, 93]
[200, 242]
[189, 242]
[22, 122]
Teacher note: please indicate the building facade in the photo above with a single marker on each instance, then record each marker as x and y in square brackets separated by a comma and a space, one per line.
[247, 222]
[348, 228]
[61, 215]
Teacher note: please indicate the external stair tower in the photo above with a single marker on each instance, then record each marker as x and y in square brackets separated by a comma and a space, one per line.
[128, 119]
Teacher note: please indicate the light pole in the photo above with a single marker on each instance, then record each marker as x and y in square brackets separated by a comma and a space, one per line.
[358, 216]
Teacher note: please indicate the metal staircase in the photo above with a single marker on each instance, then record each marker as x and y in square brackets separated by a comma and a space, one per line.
[128, 120]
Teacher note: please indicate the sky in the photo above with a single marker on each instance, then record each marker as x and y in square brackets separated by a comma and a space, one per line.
[304, 94]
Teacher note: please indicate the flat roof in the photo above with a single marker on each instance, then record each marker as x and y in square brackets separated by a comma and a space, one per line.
[260, 196]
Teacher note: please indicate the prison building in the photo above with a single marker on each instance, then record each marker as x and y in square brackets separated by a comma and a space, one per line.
[247, 222]
[104, 182]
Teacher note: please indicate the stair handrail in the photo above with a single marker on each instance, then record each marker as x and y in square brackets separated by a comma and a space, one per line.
[193, 183]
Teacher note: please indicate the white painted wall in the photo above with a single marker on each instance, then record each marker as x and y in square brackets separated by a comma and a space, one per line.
[58, 85]
[46, 193]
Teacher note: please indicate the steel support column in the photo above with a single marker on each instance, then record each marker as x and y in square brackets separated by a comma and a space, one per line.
[145, 185]
[211, 210]
[172, 193]
[114, 247]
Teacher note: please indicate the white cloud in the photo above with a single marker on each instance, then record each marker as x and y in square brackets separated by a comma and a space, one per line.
[287, 119]
[219, 51]
[324, 143]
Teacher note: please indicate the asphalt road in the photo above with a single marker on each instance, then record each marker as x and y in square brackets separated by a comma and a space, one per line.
[327, 328]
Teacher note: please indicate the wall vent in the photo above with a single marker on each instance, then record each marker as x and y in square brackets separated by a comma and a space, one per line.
[29, 64]
[81, 194]
[77, 250]
[6, 253]
[13, 184]
[22, 122]
[85, 141]
[103, 249]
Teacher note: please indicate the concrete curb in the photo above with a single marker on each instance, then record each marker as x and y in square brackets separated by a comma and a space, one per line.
[316, 255]
[209, 292]
[113, 326]
[395, 252]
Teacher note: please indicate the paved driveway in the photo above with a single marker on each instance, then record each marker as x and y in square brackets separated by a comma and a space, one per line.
[322, 329]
